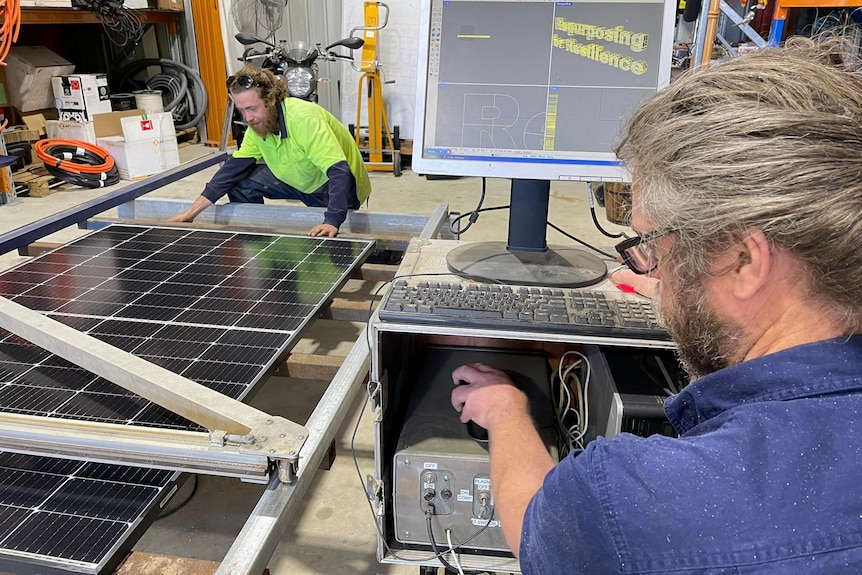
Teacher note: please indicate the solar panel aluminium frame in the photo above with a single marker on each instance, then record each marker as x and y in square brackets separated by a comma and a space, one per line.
[242, 441]
[70, 258]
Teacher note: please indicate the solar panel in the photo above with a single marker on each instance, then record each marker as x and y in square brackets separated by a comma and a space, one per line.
[220, 308]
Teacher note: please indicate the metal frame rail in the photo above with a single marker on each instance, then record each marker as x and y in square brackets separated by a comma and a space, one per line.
[28, 234]
[264, 528]
[260, 535]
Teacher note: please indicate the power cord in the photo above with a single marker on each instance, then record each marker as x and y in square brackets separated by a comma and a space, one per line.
[474, 215]
[571, 382]
[596, 219]
[78, 162]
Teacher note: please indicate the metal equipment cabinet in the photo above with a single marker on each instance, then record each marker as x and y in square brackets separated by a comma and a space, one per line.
[394, 346]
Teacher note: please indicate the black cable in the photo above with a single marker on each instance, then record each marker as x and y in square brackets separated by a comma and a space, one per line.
[474, 215]
[122, 26]
[582, 242]
[429, 512]
[596, 219]
[86, 180]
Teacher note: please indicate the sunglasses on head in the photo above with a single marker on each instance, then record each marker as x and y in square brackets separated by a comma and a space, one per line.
[244, 82]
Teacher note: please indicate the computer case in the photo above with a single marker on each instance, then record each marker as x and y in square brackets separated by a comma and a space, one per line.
[627, 391]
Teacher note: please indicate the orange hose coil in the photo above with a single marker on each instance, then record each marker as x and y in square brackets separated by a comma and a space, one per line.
[73, 167]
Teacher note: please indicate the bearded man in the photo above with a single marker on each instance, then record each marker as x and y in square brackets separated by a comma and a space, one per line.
[292, 149]
[747, 195]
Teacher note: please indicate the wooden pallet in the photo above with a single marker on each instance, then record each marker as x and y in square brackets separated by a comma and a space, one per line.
[38, 181]
[187, 137]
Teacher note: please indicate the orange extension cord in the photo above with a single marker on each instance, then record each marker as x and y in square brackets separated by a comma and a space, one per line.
[11, 10]
[42, 152]
[79, 163]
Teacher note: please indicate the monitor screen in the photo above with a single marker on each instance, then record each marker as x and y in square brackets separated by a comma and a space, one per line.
[535, 89]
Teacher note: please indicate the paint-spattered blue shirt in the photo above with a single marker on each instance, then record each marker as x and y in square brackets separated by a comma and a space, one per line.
[765, 478]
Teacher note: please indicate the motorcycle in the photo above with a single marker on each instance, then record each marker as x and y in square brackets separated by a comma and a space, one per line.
[295, 64]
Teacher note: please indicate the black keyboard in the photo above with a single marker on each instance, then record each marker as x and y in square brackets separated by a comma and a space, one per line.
[554, 310]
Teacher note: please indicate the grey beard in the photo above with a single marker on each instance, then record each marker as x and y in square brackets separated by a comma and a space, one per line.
[704, 342]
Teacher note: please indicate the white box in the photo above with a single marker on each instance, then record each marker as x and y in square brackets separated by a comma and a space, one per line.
[29, 70]
[148, 145]
[100, 126]
[80, 97]
[143, 158]
[148, 127]
[84, 131]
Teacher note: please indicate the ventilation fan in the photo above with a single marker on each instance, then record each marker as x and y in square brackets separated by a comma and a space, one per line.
[259, 18]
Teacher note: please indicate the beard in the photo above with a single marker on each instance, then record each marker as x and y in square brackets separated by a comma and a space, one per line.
[269, 125]
[705, 342]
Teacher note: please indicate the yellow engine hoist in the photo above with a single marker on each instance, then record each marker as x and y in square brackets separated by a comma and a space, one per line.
[377, 157]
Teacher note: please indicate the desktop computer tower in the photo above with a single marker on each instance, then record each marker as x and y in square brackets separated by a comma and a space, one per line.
[627, 391]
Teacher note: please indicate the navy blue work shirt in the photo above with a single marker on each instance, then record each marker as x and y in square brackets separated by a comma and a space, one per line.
[765, 478]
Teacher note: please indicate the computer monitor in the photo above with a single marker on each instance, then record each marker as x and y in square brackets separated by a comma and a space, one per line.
[534, 91]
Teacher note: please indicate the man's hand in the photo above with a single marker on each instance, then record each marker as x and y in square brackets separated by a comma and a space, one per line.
[199, 205]
[488, 393]
[324, 230]
[519, 459]
[183, 217]
[643, 284]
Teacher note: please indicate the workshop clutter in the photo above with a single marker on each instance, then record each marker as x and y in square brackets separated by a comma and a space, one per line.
[29, 70]
[148, 145]
[141, 144]
[78, 98]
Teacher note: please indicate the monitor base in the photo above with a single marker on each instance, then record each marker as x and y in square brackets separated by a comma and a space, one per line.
[556, 267]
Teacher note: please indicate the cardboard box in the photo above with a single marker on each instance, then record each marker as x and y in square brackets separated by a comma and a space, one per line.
[176, 5]
[29, 70]
[14, 134]
[101, 125]
[148, 145]
[137, 160]
[80, 97]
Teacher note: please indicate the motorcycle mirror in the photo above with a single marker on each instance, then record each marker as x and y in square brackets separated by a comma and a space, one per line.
[352, 43]
[246, 39]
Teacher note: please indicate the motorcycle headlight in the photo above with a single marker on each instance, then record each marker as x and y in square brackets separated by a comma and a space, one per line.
[300, 82]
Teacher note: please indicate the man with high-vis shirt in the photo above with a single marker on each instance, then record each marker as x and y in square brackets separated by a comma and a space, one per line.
[292, 149]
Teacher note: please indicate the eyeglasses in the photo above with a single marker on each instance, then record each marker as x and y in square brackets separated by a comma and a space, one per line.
[637, 253]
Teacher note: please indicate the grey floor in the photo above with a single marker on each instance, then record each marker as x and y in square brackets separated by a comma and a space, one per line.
[333, 532]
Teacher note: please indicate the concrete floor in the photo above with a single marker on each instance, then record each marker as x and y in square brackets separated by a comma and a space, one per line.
[333, 532]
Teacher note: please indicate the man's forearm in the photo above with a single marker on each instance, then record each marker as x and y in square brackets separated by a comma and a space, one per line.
[519, 464]
[200, 204]
[340, 180]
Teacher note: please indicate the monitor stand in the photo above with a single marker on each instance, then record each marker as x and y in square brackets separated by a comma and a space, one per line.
[526, 258]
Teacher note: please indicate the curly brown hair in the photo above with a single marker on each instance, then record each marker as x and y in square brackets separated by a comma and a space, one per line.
[270, 87]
